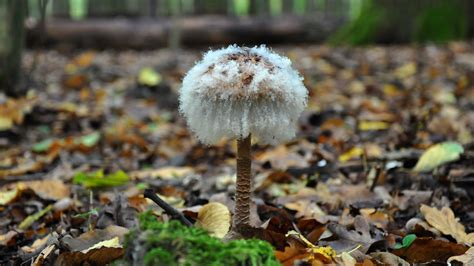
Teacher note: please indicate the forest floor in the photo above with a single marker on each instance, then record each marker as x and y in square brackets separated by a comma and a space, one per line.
[98, 127]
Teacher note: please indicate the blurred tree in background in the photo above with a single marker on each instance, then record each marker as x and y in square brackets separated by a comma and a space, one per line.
[389, 21]
[363, 22]
[12, 14]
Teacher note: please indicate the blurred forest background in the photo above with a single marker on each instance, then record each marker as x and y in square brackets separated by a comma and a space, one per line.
[172, 23]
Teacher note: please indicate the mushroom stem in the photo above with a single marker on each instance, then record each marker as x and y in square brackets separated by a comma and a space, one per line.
[241, 217]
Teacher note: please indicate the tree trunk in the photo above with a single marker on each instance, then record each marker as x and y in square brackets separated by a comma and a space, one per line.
[194, 31]
[12, 35]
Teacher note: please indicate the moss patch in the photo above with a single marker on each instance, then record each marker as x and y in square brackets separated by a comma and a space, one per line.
[157, 243]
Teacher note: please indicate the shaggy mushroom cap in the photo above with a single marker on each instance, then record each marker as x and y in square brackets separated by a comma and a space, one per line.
[237, 91]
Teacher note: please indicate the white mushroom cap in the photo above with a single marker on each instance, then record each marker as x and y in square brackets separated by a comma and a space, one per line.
[234, 92]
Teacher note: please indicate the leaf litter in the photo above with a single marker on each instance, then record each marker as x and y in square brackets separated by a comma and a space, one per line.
[380, 172]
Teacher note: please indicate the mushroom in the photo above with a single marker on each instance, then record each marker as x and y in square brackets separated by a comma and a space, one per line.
[239, 92]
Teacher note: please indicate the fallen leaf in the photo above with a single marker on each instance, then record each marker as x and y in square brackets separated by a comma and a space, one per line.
[99, 179]
[47, 189]
[13, 111]
[438, 155]
[101, 256]
[43, 145]
[8, 238]
[353, 153]
[425, 249]
[84, 59]
[323, 253]
[169, 172]
[111, 243]
[360, 238]
[8, 195]
[93, 237]
[40, 259]
[387, 258]
[466, 259]
[373, 125]
[290, 255]
[214, 217]
[405, 71]
[445, 221]
[89, 140]
[149, 77]
[36, 244]
[347, 259]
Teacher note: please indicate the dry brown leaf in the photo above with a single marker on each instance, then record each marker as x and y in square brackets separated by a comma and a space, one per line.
[12, 111]
[47, 189]
[8, 238]
[214, 217]
[40, 259]
[425, 249]
[466, 259]
[445, 221]
[169, 172]
[37, 244]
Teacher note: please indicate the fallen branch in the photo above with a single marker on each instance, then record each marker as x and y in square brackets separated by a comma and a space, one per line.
[150, 194]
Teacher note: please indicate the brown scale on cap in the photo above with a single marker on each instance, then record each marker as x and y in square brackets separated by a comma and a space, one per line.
[243, 59]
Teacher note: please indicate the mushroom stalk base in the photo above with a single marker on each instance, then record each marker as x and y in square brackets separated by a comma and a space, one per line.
[241, 219]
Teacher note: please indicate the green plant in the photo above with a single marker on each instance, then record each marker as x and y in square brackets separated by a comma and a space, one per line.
[441, 23]
[172, 243]
[363, 29]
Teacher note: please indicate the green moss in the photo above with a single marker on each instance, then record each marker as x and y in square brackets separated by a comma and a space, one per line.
[175, 244]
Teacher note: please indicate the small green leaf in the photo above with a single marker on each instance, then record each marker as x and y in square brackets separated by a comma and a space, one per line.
[90, 140]
[98, 179]
[43, 145]
[438, 155]
[406, 242]
[149, 77]
[142, 186]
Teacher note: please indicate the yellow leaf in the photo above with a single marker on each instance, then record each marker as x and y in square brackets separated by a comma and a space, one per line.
[353, 153]
[373, 125]
[168, 172]
[438, 155]
[8, 196]
[327, 252]
[85, 59]
[347, 259]
[111, 243]
[406, 70]
[5, 123]
[149, 77]
[445, 221]
[466, 259]
[214, 217]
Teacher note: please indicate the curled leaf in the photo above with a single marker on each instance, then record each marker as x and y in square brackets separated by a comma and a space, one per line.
[438, 155]
[214, 217]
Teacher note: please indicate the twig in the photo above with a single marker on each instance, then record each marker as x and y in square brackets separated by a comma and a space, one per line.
[149, 193]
